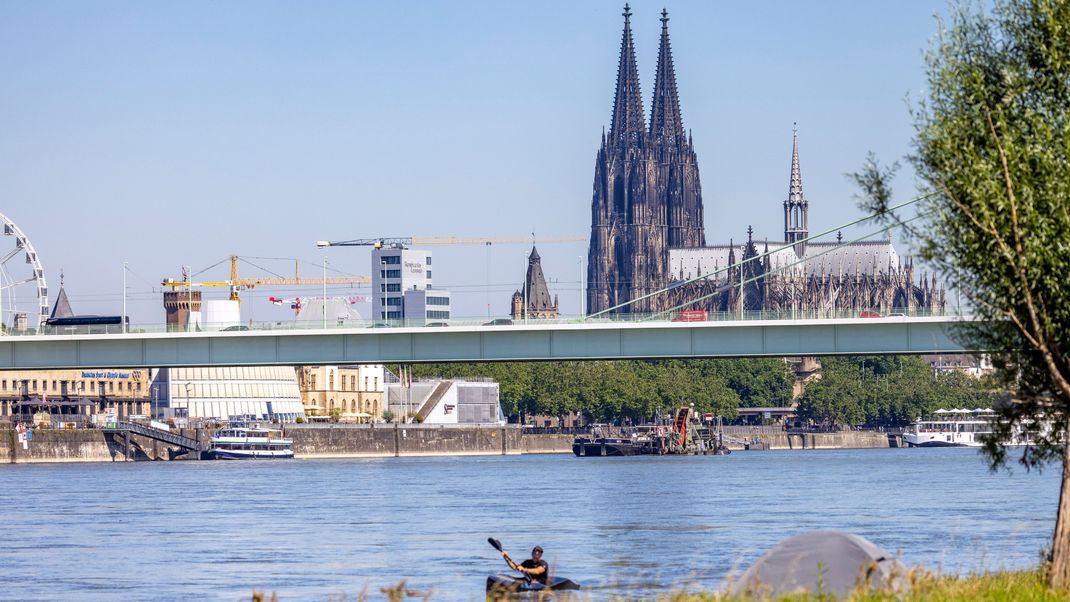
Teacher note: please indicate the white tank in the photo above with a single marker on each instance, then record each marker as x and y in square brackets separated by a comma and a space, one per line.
[220, 313]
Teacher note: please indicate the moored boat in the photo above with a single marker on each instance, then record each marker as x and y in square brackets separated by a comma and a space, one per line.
[955, 428]
[249, 444]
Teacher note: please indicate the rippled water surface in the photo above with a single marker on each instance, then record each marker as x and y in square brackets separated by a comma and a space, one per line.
[317, 529]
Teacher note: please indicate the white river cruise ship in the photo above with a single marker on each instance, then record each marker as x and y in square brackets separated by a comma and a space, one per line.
[953, 428]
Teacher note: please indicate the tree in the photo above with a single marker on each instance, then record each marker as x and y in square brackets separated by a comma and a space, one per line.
[992, 143]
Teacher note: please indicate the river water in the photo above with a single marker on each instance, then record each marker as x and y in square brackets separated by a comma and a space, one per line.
[322, 529]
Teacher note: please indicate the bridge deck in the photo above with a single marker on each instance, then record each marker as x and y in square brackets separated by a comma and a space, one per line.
[534, 341]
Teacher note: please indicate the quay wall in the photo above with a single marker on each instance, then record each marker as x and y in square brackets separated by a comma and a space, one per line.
[360, 441]
[841, 440]
[55, 445]
[344, 441]
[546, 444]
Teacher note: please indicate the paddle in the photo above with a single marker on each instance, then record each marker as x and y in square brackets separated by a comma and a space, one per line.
[497, 545]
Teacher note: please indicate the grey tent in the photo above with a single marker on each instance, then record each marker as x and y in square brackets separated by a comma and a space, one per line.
[831, 562]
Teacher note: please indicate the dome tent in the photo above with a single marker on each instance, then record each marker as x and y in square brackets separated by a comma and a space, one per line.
[829, 562]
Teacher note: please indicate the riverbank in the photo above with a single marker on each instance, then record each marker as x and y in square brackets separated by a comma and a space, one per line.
[384, 441]
[1007, 586]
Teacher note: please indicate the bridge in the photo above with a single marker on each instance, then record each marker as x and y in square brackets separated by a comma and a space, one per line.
[534, 341]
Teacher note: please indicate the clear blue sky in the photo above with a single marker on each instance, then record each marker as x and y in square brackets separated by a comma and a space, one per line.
[164, 133]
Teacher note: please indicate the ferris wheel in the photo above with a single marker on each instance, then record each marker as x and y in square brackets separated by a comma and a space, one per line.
[23, 292]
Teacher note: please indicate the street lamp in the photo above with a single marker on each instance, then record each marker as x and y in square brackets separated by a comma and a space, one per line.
[581, 286]
[123, 326]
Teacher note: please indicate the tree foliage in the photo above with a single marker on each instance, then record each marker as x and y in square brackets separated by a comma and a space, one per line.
[993, 139]
[887, 391]
[992, 144]
[636, 390]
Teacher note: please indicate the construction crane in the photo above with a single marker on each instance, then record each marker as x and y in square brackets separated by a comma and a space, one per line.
[402, 242]
[236, 284]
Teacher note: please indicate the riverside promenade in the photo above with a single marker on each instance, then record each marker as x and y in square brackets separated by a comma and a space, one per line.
[381, 441]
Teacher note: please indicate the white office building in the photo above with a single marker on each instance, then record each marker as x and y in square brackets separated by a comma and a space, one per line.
[231, 393]
[397, 271]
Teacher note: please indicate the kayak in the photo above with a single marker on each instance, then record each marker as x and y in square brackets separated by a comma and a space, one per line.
[505, 583]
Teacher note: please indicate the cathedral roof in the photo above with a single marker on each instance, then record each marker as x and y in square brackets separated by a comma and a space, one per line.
[830, 258]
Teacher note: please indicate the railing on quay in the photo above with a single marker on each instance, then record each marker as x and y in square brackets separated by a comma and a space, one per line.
[489, 322]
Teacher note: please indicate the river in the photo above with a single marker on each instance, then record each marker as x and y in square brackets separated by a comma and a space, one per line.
[321, 529]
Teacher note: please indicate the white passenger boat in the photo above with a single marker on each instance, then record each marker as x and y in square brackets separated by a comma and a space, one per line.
[249, 444]
[952, 428]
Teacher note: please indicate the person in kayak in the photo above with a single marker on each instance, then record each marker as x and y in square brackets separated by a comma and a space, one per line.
[535, 567]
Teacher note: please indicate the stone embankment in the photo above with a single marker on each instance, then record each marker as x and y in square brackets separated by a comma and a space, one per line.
[359, 441]
[384, 441]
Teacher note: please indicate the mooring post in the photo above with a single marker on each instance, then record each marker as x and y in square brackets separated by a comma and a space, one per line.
[397, 440]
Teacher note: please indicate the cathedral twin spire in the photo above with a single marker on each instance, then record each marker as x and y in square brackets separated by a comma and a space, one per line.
[628, 128]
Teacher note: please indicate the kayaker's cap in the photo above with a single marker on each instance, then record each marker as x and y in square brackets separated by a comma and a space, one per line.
[536, 549]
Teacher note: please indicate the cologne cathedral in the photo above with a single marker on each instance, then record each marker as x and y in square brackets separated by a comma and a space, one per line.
[647, 235]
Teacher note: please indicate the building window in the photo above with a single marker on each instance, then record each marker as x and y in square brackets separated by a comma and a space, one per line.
[428, 262]
[382, 288]
[393, 273]
[5, 385]
[376, 383]
[330, 380]
[382, 273]
[440, 315]
[111, 386]
[393, 315]
[312, 380]
[35, 385]
[438, 300]
[54, 385]
[392, 260]
[393, 288]
[428, 274]
[365, 383]
[393, 301]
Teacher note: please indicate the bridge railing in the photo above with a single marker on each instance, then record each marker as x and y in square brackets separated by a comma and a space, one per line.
[490, 322]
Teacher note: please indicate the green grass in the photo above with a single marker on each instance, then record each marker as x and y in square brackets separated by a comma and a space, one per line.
[1011, 586]
[1020, 586]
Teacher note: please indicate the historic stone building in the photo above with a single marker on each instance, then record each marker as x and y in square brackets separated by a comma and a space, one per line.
[535, 293]
[647, 197]
[647, 237]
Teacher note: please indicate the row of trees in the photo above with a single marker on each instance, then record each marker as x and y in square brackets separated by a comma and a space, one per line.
[864, 390]
[610, 391]
[887, 391]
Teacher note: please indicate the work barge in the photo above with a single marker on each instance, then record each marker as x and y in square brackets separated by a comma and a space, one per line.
[685, 434]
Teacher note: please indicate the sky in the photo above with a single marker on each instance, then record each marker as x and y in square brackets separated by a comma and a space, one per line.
[165, 134]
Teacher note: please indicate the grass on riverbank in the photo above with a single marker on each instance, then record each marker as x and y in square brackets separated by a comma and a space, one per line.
[1019, 586]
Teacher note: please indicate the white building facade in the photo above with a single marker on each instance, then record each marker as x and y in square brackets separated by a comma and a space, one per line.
[394, 271]
[233, 393]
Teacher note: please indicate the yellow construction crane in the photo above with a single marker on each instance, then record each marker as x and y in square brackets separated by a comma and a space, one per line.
[409, 241]
[236, 284]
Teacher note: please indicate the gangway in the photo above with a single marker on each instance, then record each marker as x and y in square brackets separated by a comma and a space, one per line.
[127, 428]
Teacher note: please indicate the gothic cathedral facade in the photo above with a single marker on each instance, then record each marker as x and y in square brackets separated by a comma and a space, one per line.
[648, 249]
